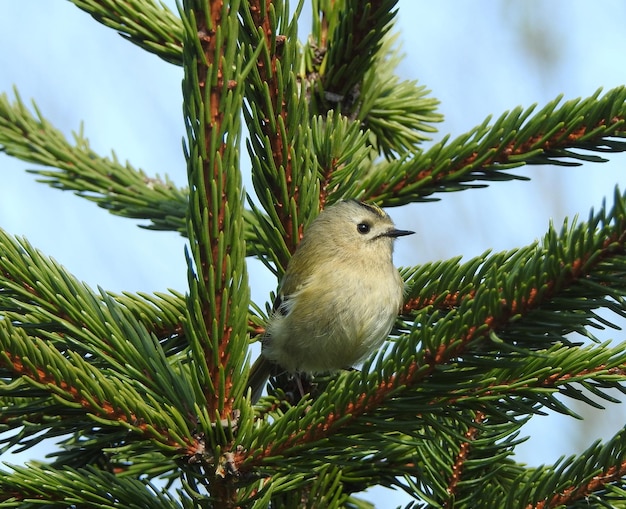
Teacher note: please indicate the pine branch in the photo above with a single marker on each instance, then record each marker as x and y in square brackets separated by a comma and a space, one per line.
[29, 487]
[39, 295]
[276, 113]
[595, 476]
[121, 189]
[108, 450]
[66, 345]
[488, 152]
[108, 398]
[399, 114]
[26, 419]
[152, 27]
[216, 321]
[350, 61]
[348, 38]
[160, 313]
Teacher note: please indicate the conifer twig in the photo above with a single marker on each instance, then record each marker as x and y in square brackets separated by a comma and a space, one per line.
[148, 25]
[217, 276]
[554, 135]
[121, 189]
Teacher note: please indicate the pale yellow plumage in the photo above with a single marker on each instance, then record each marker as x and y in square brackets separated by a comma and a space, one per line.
[339, 297]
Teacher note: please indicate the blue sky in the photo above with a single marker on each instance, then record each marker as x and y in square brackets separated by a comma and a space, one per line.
[474, 56]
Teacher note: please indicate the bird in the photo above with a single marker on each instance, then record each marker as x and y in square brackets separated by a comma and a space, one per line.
[339, 297]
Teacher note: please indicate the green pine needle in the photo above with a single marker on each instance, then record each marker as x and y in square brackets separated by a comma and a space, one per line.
[135, 388]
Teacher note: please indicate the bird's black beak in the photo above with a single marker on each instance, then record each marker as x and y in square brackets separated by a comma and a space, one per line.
[398, 233]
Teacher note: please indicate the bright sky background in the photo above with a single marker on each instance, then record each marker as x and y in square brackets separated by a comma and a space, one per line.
[479, 58]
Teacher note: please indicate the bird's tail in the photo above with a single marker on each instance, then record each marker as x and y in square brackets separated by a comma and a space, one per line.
[260, 372]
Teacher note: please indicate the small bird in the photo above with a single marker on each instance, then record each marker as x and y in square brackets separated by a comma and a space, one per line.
[339, 297]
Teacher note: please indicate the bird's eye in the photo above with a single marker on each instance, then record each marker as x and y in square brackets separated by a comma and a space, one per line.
[363, 228]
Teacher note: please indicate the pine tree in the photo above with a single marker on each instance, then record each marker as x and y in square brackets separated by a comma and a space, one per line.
[146, 395]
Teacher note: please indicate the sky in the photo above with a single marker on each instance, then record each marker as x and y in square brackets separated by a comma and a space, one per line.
[478, 58]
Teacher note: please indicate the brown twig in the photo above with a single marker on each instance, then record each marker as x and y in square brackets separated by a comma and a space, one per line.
[569, 496]
[500, 155]
[461, 457]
